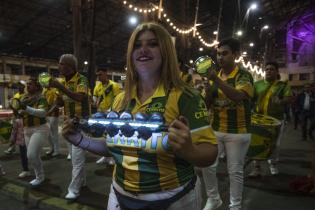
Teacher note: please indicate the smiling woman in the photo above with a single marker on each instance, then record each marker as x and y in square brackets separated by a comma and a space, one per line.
[158, 172]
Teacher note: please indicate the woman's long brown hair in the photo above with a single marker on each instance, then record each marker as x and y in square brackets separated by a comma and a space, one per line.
[170, 70]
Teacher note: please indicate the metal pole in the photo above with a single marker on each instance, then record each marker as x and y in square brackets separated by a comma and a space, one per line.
[219, 20]
[196, 17]
[77, 29]
[160, 9]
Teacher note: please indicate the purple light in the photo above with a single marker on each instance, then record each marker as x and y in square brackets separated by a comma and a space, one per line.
[301, 39]
[302, 34]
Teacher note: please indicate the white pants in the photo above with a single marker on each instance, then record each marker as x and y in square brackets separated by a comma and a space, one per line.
[35, 138]
[274, 157]
[53, 135]
[235, 147]
[78, 172]
[187, 202]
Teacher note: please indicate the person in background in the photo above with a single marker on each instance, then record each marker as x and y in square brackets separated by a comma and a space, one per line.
[51, 95]
[306, 106]
[75, 100]
[104, 94]
[228, 96]
[150, 174]
[17, 135]
[270, 97]
[18, 95]
[36, 130]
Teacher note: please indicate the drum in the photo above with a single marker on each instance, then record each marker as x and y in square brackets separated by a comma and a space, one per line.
[265, 131]
[5, 131]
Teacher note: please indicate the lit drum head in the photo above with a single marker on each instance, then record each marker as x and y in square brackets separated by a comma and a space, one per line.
[44, 79]
[203, 64]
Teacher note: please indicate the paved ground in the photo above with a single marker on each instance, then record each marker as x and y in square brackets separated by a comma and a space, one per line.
[267, 192]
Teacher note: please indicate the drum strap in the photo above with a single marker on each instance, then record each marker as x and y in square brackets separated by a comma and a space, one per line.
[266, 98]
[264, 103]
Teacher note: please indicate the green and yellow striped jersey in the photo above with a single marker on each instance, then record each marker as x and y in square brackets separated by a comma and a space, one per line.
[230, 116]
[106, 94]
[264, 94]
[149, 165]
[78, 84]
[31, 120]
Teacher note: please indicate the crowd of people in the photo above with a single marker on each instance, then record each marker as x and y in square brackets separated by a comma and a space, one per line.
[204, 123]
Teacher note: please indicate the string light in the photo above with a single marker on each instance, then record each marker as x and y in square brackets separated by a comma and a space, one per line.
[253, 68]
[138, 9]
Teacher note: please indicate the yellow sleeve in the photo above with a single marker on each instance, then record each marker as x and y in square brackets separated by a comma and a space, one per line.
[97, 91]
[116, 89]
[117, 103]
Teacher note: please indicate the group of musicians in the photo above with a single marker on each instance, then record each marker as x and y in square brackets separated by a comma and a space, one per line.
[231, 95]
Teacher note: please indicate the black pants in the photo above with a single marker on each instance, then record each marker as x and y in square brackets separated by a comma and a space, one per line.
[23, 156]
[305, 117]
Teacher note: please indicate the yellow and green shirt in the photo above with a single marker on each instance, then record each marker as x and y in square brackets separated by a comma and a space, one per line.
[230, 116]
[264, 94]
[146, 166]
[18, 95]
[78, 84]
[51, 95]
[106, 94]
[31, 120]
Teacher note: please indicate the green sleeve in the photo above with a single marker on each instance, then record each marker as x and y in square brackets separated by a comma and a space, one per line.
[192, 106]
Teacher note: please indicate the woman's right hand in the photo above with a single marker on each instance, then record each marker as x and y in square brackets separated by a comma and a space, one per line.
[70, 132]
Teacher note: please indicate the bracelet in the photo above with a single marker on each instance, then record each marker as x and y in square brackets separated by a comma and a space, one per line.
[79, 141]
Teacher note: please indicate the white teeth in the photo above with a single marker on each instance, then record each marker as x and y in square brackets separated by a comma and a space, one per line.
[143, 58]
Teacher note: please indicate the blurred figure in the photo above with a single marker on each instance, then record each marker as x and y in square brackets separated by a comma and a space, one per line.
[36, 130]
[229, 95]
[75, 100]
[18, 95]
[270, 97]
[306, 106]
[104, 94]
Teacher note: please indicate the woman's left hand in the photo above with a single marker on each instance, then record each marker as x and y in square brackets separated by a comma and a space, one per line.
[179, 138]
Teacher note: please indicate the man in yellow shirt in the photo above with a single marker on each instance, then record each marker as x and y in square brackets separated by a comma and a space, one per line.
[105, 91]
[74, 98]
[104, 94]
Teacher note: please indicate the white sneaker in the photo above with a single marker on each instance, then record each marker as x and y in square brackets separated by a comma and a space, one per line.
[69, 157]
[36, 182]
[111, 161]
[24, 174]
[255, 172]
[71, 196]
[273, 169]
[102, 160]
[2, 172]
[212, 204]
[10, 150]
